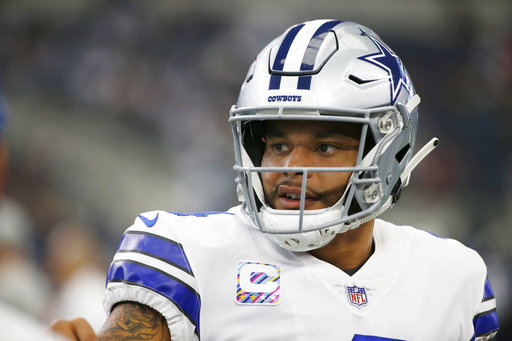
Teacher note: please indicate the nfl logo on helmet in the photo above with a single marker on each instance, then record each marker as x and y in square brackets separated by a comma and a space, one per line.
[357, 295]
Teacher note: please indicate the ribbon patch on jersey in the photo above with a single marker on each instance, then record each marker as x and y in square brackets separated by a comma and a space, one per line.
[258, 283]
[357, 295]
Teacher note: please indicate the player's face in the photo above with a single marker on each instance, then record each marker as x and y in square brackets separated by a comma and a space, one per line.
[308, 144]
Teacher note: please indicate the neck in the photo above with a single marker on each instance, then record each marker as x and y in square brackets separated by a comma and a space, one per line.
[348, 250]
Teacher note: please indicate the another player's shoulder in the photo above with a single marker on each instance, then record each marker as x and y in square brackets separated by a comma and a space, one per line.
[438, 250]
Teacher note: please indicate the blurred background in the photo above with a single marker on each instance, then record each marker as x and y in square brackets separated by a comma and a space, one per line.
[120, 107]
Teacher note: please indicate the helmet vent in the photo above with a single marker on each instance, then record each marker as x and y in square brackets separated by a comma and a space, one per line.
[360, 81]
[401, 154]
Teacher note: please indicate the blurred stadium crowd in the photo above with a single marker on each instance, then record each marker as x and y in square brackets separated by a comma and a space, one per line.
[119, 107]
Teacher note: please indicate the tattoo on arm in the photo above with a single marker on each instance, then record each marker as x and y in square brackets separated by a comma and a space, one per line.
[131, 321]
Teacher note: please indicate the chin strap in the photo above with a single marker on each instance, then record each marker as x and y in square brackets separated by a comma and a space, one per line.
[404, 178]
[420, 155]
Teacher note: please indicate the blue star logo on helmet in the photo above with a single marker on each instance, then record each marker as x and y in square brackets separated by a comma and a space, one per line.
[388, 61]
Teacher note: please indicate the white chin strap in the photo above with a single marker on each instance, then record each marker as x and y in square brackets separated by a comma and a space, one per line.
[278, 221]
[305, 241]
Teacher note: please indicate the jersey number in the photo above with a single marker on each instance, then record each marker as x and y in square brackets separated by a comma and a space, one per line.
[359, 337]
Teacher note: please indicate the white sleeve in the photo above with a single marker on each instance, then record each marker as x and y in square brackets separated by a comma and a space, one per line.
[151, 267]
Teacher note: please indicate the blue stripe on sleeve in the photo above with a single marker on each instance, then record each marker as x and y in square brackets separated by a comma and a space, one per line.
[182, 295]
[488, 294]
[156, 246]
[275, 80]
[485, 322]
[308, 61]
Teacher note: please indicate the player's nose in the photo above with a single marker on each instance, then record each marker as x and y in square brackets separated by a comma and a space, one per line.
[298, 157]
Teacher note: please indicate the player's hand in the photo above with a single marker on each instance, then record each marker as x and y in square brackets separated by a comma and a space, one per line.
[77, 330]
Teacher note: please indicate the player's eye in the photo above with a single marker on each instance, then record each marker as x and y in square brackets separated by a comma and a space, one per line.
[278, 147]
[326, 148]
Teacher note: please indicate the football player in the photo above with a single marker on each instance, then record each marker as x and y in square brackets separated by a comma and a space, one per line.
[324, 131]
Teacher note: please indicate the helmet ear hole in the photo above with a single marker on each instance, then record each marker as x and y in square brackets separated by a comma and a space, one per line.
[253, 134]
[354, 207]
[369, 142]
[402, 153]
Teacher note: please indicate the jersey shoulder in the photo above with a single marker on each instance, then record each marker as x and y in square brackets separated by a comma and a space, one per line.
[441, 252]
[163, 231]
[453, 270]
[165, 222]
[151, 267]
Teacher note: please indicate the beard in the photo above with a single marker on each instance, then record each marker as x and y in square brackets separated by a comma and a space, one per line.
[321, 198]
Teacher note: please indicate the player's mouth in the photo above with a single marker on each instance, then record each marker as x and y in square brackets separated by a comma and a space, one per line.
[288, 198]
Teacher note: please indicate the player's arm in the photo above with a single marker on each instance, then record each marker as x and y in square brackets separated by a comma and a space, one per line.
[127, 321]
[134, 321]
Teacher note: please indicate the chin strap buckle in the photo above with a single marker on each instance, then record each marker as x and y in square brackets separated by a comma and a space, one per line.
[396, 192]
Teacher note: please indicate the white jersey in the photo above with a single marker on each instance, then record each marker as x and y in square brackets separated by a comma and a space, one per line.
[213, 277]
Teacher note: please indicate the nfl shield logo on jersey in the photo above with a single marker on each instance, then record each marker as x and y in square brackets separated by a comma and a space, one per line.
[357, 295]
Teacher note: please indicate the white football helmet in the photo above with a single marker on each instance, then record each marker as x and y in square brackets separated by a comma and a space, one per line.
[327, 70]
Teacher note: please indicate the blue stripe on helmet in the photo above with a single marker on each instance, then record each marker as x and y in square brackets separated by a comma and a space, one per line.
[275, 80]
[164, 249]
[308, 61]
[182, 295]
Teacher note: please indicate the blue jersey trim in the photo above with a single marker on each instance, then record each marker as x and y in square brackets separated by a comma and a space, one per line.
[148, 222]
[486, 322]
[304, 82]
[156, 246]
[275, 80]
[488, 293]
[181, 294]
